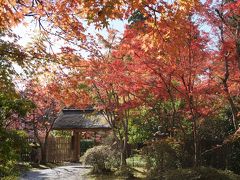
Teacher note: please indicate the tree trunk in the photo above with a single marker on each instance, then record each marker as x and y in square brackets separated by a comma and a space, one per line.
[195, 136]
[232, 106]
[238, 53]
[195, 143]
[226, 78]
[226, 90]
[124, 150]
[44, 151]
[123, 155]
[238, 45]
[123, 159]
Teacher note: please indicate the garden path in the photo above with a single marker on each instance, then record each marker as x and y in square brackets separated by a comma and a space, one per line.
[68, 172]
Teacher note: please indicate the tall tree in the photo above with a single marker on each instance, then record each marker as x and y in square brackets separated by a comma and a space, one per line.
[171, 61]
[42, 118]
[223, 17]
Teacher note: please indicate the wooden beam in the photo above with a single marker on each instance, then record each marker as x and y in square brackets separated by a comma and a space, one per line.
[77, 136]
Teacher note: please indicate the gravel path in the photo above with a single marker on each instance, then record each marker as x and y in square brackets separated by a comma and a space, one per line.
[69, 172]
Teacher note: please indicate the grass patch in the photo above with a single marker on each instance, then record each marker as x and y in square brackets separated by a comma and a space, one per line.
[119, 174]
[136, 161]
[10, 178]
[104, 177]
[137, 165]
[139, 172]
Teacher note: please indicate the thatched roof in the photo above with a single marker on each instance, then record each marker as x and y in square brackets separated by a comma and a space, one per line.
[73, 119]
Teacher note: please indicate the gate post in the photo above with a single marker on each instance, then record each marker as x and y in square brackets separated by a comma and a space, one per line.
[77, 138]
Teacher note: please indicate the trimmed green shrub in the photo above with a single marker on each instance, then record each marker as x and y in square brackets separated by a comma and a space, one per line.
[102, 158]
[161, 156]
